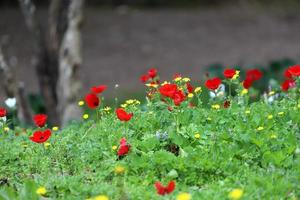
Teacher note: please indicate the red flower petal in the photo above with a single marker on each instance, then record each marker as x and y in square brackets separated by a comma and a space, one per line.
[254, 75]
[152, 72]
[144, 78]
[40, 136]
[40, 120]
[171, 187]
[123, 115]
[92, 100]
[213, 83]
[229, 73]
[3, 112]
[98, 89]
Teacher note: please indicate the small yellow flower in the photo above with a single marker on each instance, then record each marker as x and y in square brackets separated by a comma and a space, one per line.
[197, 136]
[46, 145]
[130, 101]
[177, 79]
[209, 119]
[137, 102]
[270, 116]
[184, 196]
[273, 136]
[85, 116]
[198, 90]
[24, 145]
[6, 129]
[281, 113]
[119, 169]
[271, 93]
[101, 197]
[80, 103]
[152, 85]
[244, 91]
[124, 105]
[236, 194]
[107, 109]
[190, 95]
[299, 105]
[55, 128]
[216, 106]
[114, 147]
[164, 83]
[236, 75]
[260, 128]
[186, 79]
[41, 191]
[247, 111]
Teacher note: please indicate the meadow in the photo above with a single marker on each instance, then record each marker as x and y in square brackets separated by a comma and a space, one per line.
[174, 146]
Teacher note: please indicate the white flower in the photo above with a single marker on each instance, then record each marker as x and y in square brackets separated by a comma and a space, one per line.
[11, 102]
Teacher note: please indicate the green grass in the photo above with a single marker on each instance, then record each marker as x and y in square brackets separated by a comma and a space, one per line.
[231, 153]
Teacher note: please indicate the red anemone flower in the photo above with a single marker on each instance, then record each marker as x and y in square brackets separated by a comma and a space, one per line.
[144, 78]
[98, 89]
[162, 190]
[294, 70]
[213, 83]
[40, 136]
[178, 97]
[229, 73]
[287, 74]
[124, 147]
[189, 87]
[168, 90]
[123, 115]
[40, 120]
[3, 112]
[254, 74]
[152, 72]
[92, 100]
[287, 84]
[247, 83]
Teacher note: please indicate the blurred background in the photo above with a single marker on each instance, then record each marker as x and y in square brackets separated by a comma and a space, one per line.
[122, 39]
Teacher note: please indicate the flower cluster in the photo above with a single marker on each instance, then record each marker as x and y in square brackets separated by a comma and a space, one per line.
[290, 74]
[43, 134]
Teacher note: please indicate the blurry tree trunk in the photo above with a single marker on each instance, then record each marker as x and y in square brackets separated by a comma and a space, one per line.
[48, 45]
[70, 60]
[14, 89]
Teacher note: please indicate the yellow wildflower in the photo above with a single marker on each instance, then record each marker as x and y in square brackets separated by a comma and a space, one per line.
[197, 135]
[164, 83]
[216, 106]
[198, 90]
[114, 147]
[271, 93]
[209, 119]
[270, 116]
[247, 111]
[260, 128]
[190, 95]
[152, 85]
[107, 109]
[244, 91]
[273, 136]
[80, 103]
[281, 113]
[55, 128]
[6, 129]
[101, 197]
[186, 79]
[236, 194]
[299, 105]
[236, 75]
[130, 101]
[137, 102]
[124, 105]
[184, 196]
[41, 191]
[46, 145]
[177, 79]
[119, 169]
[85, 116]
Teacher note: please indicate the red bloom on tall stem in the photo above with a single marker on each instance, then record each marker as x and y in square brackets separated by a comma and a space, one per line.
[40, 120]
[254, 74]
[152, 72]
[294, 70]
[3, 112]
[98, 89]
[189, 87]
[178, 97]
[124, 147]
[123, 115]
[213, 83]
[144, 78]
[92, 100]
[163, 190]
[168, 90]
[287, 84]
[40, 136]
[229, 73]
[247, 83]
